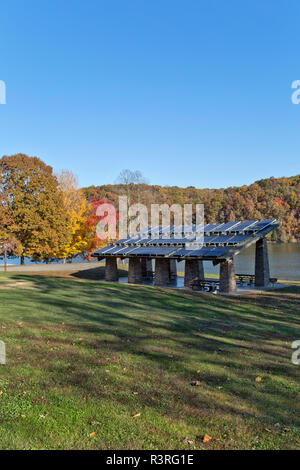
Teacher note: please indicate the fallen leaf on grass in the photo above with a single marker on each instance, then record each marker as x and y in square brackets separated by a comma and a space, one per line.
[93, 434]
[23, 416]
[268, 430]
[195, 383]
[258, 379]
[206, 438]
[95, 423]
[137, 415]
[135, 393]
[188, 441]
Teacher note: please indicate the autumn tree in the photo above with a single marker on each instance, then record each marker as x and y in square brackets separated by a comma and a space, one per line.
[32, 208]
[132, 182]
[93, 241]
[264, 199]
[9, 245]
[77, 211]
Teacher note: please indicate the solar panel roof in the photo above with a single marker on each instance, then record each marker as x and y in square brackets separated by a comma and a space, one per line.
[120, 250]
[138, 241]
[201, 252]
[163, 241]
[182, 252]
[222, 238]
[262, 224]
[218, 251]
[174, 236]
[103, 250]
[209, 239]
[238, 238]
[153, 250]
[225, 227]
[207, 252]
[244, 225]
[122, 241]
[211, 227]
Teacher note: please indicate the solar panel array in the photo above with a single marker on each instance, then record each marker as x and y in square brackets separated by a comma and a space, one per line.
[181, 242]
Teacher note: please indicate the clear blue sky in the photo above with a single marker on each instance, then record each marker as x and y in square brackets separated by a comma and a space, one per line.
[188, 92]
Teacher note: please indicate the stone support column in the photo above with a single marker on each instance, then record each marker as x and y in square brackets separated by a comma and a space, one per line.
[162, 272]
[227, 277]
[201, 270]
[173, 270]
[262, 269]
[111, 269]
[135, 271]
[191, 271]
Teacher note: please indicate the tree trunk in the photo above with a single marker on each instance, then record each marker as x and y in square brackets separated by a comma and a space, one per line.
[22, 261]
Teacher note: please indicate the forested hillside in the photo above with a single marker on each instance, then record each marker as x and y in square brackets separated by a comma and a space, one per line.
[268, 198]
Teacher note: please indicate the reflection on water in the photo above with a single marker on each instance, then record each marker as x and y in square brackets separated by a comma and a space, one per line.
[284, 261]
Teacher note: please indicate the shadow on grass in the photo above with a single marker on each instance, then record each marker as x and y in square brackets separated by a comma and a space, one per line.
[169, 334]
[95, 274]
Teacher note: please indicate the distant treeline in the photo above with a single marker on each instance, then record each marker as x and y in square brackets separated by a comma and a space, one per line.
[277, 198]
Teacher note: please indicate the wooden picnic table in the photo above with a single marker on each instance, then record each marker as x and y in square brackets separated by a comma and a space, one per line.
[248, 278]
[204, 284]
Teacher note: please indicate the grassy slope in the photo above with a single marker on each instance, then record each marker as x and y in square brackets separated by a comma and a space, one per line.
[78, 351]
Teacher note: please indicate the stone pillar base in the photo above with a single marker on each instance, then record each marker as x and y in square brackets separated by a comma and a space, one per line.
[262, 269]
[146, 264]
[191, 271]
[111, 269]
[134, 271]
[162, 272]
[201, 270]
[227, 277]
[173, 270]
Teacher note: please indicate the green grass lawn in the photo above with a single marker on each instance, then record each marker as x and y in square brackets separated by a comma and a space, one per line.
[85, 357]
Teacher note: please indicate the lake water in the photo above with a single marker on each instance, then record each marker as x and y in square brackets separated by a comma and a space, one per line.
[284, 261]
